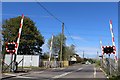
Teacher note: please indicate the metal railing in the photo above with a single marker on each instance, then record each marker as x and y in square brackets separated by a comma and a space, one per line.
[53, 64]
[110, 68]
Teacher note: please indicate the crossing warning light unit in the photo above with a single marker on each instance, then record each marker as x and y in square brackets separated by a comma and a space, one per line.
[11, 47]
[108, 49]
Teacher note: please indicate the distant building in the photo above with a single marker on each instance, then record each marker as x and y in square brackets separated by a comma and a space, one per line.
[73, 58]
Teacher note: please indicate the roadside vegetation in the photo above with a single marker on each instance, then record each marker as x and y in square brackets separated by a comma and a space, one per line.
[115, 78]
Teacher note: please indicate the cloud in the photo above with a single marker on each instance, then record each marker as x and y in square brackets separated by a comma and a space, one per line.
[77, 38]
[90, 52]
[88, 48]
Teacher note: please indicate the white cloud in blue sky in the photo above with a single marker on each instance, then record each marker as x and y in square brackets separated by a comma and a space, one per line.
[78, 38]
[89, 51]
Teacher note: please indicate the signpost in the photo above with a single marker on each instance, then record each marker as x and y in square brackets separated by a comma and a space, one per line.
[11, 48]
[108, 50]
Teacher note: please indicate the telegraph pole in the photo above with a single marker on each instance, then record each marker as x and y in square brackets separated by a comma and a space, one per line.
[83, 55]
[62, 42]
[97, 55]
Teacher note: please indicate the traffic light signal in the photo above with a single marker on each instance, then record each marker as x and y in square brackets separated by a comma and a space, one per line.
[108, 49]
[10, 47]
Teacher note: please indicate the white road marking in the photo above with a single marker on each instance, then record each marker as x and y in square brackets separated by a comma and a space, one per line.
[24, 77]
[62, 68]
[64, 74]
[10, 74]
[79, 69]
[58, 68]
[17, 75]
[94, 72]
[38, 72]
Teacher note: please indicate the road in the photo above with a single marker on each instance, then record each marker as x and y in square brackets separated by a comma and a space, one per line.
[75, 72]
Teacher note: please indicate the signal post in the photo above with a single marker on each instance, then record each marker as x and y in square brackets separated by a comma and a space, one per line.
[108, 50]
[11, 49]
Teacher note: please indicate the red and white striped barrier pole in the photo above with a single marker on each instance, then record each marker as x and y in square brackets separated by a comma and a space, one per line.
[113, 41]
[19, 34]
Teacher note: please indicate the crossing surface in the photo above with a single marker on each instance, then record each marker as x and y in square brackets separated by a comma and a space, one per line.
[77, 72]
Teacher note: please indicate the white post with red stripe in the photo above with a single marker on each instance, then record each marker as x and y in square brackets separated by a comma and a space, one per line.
[103, 55]
[113, 41]
[19, 34]
[101, 48]
[51, 48]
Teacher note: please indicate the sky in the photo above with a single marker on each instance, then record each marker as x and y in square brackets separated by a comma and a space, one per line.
[86, 22]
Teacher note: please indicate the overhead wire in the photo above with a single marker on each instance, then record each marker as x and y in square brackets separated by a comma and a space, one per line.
[57, 20]
[74, 43]
[48, 11]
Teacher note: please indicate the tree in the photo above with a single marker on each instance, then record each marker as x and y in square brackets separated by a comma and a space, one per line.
[31, 39]
[70, 51]
[45, 56]
[79, 59]
[57, 44]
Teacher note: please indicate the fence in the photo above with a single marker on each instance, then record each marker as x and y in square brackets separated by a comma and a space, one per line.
[52, 64]
[32, 61]
[28, 60]
[22, 60]
[110, 67]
